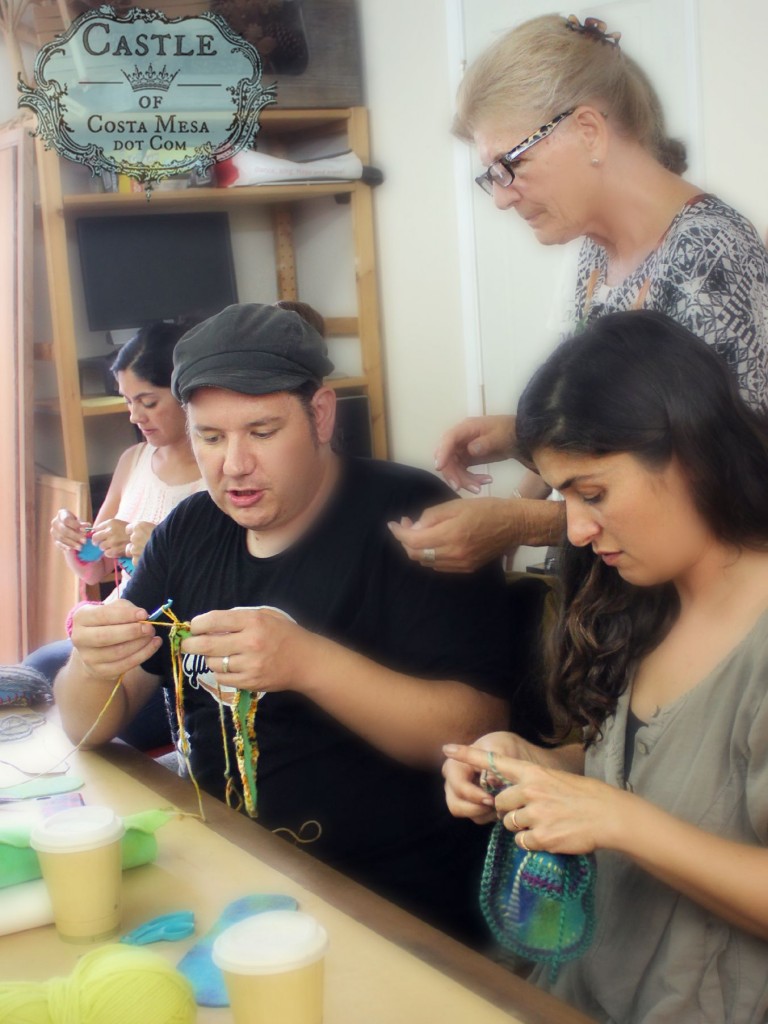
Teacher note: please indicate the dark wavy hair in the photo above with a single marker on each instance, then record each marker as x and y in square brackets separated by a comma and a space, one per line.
[639, 383]
[149, 353]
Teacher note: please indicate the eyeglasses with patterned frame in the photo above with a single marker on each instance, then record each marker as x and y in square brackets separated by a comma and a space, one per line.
[501, 171]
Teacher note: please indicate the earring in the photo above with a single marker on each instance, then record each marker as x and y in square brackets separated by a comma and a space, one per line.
[595, 162]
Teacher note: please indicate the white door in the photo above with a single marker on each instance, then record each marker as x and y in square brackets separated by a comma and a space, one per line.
[521, 288]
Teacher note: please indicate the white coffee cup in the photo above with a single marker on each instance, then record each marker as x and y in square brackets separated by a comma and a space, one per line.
[273, 966]
[81, 861]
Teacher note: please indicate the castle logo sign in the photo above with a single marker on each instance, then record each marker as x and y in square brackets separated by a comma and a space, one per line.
[147, 96]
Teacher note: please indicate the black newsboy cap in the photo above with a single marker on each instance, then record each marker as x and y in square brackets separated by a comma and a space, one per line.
[251, 348]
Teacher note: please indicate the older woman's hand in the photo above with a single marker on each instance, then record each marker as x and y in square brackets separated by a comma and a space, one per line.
[474, 441]
[462, 535]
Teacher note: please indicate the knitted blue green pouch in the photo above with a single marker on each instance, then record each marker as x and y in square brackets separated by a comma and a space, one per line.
[539, 906]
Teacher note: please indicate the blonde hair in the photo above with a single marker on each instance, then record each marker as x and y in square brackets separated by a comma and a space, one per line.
[543, 67]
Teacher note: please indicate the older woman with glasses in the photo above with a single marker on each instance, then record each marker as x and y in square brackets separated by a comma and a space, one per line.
[601, 168]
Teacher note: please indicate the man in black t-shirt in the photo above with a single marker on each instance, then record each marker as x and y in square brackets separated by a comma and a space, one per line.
[364, 666]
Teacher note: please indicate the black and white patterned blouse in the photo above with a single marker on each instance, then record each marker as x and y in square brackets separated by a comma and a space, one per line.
[710, 274]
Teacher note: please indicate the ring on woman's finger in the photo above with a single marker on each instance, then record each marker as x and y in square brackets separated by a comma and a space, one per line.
[523, 842]
[428, 556]
[515, 823]
[225, 663]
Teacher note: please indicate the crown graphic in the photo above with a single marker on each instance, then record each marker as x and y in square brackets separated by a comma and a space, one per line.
[150, 79]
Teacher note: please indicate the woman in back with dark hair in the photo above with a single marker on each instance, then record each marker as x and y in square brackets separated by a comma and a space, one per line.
[151, 477]
[662, 662]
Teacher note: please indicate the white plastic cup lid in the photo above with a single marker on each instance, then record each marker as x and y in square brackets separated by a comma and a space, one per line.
[270, 943]
[76, 829]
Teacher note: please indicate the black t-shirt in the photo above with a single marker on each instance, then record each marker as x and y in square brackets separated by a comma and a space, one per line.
[347, 579]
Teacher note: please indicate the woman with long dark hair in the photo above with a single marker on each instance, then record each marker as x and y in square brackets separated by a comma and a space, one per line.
[150, 479]
[661, 660]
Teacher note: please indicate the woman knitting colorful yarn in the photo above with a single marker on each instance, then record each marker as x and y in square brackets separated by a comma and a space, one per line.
[150, 479]
[662, 661]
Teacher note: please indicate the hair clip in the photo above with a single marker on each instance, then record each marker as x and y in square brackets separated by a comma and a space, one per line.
[594, 28]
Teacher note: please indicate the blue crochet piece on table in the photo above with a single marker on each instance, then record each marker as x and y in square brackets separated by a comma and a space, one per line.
[539, 906]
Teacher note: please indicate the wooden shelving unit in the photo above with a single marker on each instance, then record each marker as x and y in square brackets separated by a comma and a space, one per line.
[58, 212]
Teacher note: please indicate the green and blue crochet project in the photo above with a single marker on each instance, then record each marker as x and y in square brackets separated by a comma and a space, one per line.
[539, 906]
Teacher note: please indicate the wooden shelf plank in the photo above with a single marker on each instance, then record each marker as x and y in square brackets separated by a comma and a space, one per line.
[104, 203]
[111, 405]
[275, 120]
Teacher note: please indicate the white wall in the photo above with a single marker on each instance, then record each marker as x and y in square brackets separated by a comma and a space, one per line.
[410, 98]
[734, 99]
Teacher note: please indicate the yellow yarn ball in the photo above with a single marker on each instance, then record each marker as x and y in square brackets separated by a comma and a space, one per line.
[115, 983]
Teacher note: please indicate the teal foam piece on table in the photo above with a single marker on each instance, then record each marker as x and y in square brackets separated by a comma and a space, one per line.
[197, 965]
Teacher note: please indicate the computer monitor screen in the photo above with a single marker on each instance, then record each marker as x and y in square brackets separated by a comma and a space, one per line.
[155, 267]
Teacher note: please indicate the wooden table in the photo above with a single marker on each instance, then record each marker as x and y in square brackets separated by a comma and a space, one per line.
[384, 966]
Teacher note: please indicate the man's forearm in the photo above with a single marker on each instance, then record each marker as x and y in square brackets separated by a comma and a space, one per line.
[405, 717]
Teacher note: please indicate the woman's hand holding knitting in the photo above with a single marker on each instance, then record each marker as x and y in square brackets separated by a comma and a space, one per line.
[250, 648]
[111, 536]
[138, 534]
[554, 810]
[109, 639]
[68, 532]
[464, 794]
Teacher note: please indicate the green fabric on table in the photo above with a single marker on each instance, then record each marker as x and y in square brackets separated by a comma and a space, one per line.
[19, 863]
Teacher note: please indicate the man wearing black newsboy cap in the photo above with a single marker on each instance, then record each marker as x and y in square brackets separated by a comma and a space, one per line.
[296, 591]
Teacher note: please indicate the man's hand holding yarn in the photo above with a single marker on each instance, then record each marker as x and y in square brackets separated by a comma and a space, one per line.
[110, 639]
[265, 650]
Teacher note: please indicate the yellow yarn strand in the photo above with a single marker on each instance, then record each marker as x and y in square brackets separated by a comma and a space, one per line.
[246, 745]
[115, 984]
[231, 794]
[178, 631]
[74, 750]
